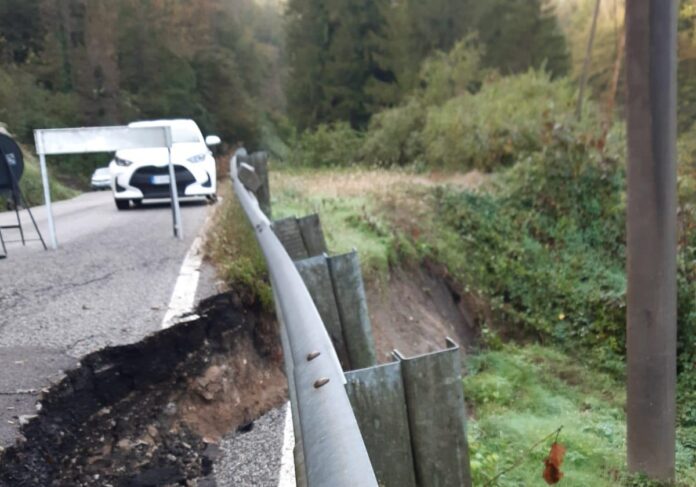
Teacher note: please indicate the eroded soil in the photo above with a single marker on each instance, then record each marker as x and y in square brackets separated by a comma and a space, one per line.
[153, 413]
[416, 308]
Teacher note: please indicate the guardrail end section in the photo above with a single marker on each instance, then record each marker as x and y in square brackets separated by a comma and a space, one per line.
[248, 177]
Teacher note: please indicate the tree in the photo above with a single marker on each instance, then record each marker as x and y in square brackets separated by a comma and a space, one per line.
[332, 48]
[307, 41]
[413, 30]
[520, 34]
[21, 32]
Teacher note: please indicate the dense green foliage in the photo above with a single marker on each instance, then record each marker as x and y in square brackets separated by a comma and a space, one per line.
[487, 129]
[546, 248]
[349, 59]
[520, 35]
[91, 62]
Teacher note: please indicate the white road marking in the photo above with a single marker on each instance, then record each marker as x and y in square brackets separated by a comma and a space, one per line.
[184, 295]
[287, 458]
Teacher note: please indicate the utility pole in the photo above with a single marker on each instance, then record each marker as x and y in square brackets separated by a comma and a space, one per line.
[651, 50]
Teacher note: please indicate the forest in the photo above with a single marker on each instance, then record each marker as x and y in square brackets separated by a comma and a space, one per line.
[90, 62]
[449, 87]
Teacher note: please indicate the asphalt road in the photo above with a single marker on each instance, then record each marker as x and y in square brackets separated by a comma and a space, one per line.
[109, 283]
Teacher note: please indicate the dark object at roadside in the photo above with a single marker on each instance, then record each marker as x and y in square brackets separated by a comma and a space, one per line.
[245, 428]
[11, 163]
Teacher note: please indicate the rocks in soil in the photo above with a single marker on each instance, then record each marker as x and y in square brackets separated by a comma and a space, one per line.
[150, 413]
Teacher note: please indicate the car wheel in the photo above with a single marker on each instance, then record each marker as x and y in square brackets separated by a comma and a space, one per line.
[122, 204]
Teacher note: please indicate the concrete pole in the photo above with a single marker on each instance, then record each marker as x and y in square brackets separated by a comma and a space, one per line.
[651, 50]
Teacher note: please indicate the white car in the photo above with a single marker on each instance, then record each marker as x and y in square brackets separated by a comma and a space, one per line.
[101, 179]
[140, 174]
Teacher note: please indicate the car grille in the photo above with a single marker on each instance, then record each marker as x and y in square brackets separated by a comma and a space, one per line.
[141, 180]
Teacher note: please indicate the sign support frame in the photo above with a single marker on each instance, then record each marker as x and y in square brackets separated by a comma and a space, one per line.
[87, 140]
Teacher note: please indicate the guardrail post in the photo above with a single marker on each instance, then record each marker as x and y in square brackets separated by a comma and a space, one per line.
[437, 417]
[349, 289]
[379, 402]
[312, 234]
[316, 276]
[288, 232]
[259, 161]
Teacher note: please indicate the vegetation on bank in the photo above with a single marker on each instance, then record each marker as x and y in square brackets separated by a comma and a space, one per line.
[31, 184]
[542, 243]
[235, 252]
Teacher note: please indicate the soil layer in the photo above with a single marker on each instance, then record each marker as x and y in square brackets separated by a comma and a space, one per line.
[154, 412]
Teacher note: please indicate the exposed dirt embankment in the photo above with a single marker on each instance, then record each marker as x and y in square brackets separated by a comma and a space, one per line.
[417, 307]
[152, 413]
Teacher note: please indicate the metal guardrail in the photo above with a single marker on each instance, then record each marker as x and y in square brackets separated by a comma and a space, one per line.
[333, 449]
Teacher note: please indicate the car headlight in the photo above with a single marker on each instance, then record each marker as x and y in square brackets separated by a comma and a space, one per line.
[197, 158]
[122, 162]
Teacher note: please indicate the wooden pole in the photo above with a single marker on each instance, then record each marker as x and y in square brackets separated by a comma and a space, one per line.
[651, 49]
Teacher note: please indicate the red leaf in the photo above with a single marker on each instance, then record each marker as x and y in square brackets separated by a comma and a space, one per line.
[552, 472]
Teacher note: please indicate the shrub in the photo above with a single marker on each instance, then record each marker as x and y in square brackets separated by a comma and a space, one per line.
[547, 245]
[507, 119]
[394, 135]
[445, 75]
[25, 106]
[327, 146]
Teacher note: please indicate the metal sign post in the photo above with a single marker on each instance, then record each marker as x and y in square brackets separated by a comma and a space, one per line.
[97, 139]
[174, 190]
[651, 76]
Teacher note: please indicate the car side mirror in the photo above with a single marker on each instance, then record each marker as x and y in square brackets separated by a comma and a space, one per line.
[212, 140]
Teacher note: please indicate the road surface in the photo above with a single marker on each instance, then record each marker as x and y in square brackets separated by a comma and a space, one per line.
[110, 283]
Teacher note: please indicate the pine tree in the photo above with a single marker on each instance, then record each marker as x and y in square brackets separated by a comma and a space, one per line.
[307, 44]
[520, 34]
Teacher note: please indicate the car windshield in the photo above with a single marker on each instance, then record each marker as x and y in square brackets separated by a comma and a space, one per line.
[183, 133]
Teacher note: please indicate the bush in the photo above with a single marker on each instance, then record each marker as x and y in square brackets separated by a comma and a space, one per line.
[327, 146]
[394, 135]
[25, 106]
[507, 119]
[547, 246]
[445, 75]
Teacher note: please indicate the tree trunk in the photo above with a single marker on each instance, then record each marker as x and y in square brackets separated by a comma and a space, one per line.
[586, 64]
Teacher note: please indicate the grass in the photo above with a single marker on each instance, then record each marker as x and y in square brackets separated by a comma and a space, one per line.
[31, 185]
[234, 251]
[518, 393]
[348, 212]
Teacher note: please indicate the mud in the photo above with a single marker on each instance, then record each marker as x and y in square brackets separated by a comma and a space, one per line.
[153, 413]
